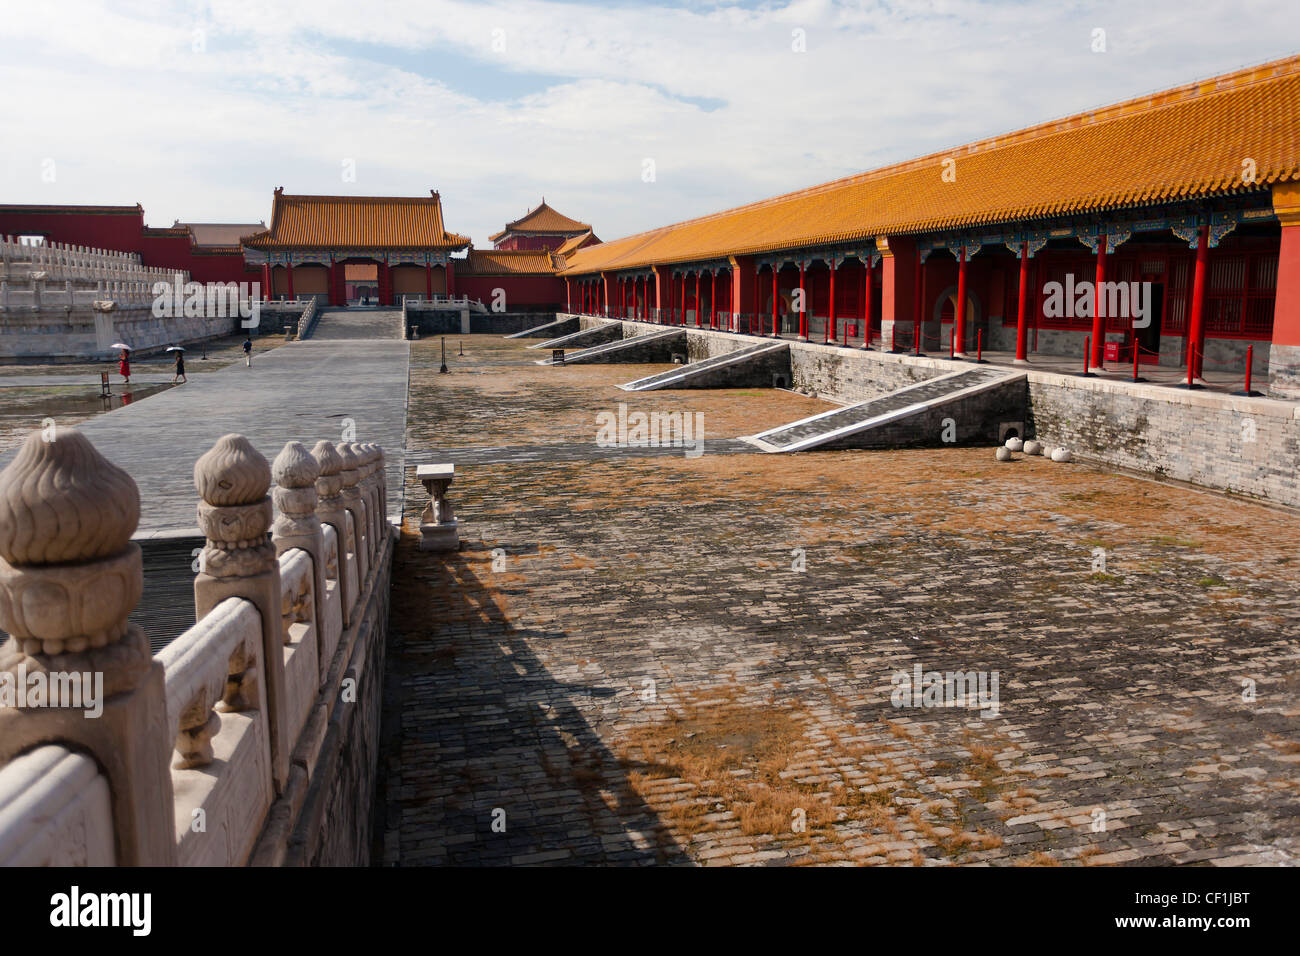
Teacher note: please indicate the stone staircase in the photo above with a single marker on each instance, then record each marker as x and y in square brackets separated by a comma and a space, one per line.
[340, 323]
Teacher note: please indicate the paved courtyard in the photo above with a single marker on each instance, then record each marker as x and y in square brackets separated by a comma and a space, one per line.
[639, 656]
[306, 391]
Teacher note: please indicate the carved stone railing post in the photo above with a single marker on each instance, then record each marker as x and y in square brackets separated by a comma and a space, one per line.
[295, 473]
[69, 577]
[381, 463]
[330, 510]
[356, 507]
[240, 561]
[38, 285]
[370, 488]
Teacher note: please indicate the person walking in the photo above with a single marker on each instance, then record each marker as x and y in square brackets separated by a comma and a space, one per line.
[248, 352]
[180, 368]
[124, 365]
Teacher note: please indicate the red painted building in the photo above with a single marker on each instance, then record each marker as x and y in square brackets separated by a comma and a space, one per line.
[314, 240]
[209, 252]
[1192, 194]
[512, 279]
[540, 228]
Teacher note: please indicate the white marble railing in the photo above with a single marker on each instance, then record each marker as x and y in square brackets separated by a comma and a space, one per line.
[60, 261]
[42, 294]
[194, 748]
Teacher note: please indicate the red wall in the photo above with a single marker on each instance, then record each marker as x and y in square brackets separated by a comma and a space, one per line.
[521, 291]
[126, 232]
[119, 232]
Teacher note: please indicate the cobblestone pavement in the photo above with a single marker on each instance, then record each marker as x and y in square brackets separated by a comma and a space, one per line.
[624, 664]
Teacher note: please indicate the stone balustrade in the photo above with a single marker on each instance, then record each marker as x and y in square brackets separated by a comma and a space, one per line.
[45, 294]
[224, 748]
[60, 261]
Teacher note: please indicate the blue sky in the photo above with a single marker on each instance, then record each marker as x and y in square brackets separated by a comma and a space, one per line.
[198, 110]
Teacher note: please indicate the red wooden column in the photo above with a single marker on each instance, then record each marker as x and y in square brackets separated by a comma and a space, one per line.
[834, 263]
[683, 305]
[918, 304]
[959, 320]
[288, 271]
[713, 297]
[1098, 309]
[266, 282]
[776, 298]
[866, 305]
[1284, 347]
[428, 280]
[898, 260]
[1022, 308]
[1196, 330]
[803, 302]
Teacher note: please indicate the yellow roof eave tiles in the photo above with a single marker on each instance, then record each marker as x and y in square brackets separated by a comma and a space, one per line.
[1183, 143]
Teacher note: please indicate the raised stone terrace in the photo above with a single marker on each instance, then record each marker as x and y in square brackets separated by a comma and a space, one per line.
[639, 656]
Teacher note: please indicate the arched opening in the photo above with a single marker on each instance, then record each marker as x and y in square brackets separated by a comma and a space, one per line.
[945, 315]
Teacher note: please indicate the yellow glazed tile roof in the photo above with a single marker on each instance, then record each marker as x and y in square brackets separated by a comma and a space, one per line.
[502, 262]
[574, 243]
[356, 222]
[542, 219]
[1183, 143]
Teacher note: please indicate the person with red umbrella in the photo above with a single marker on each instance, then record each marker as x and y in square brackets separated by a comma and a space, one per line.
[124, 362]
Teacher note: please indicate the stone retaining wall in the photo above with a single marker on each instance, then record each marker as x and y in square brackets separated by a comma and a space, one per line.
[52, 335]
[1249, 446]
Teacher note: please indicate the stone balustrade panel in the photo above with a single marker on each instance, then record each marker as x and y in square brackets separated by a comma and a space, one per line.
[216, 704]
[55, 810]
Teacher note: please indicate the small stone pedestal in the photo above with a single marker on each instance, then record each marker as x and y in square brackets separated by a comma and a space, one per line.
[438, 528]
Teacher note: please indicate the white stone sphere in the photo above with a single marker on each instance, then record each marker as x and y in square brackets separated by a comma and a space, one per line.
[1060, 454]
[1015, 444]
[1033, 447]
[1003, 453]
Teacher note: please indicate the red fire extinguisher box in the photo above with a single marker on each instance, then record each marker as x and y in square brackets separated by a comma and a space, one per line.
[1111, 353]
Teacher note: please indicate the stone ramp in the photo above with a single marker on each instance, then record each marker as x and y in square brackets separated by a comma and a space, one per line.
[334, 324]
[746, 367]
[550, 329]
[584, 338]
[975, 400]
[654, 347]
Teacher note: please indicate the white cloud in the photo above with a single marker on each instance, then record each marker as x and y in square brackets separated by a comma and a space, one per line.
[581, 94]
